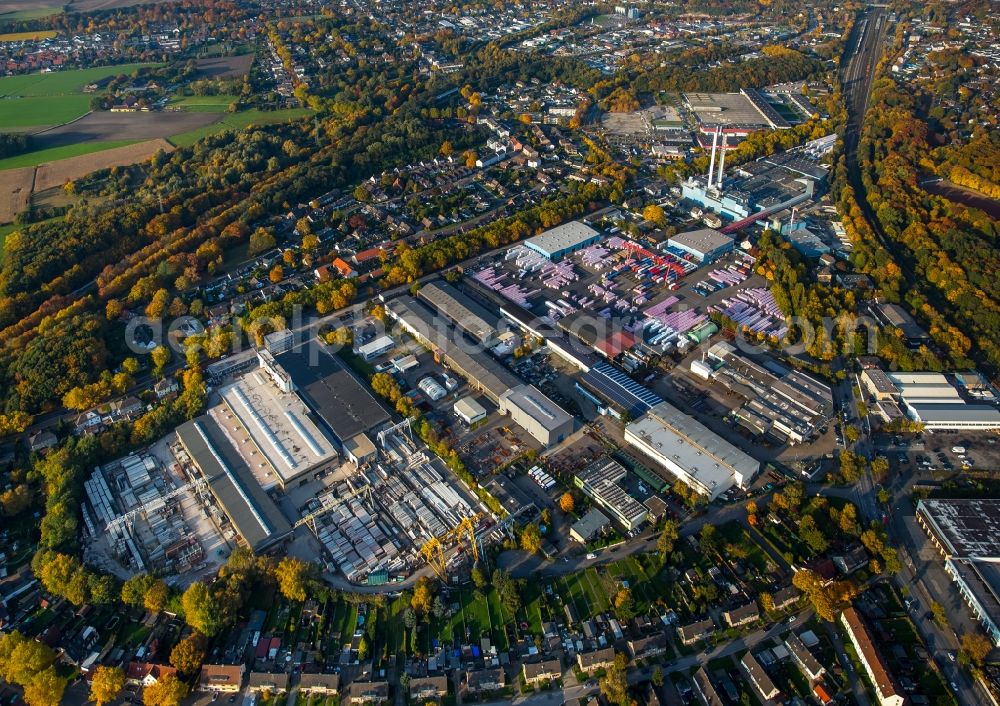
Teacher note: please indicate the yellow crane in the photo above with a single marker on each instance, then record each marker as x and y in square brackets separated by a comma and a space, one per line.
[433, 549]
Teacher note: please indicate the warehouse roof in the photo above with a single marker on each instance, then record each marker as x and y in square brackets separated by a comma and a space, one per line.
[967, 527]
[467, 315]
[704, 240]
[332, 392]
[488, 375]
[702, 453]
[469, 408]
[565, 237]
[253, 514]
[533, 402]
[930, 413]
[590, 524]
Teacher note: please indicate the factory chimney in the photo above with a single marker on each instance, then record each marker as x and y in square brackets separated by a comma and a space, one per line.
[711, 162]
[722, 158]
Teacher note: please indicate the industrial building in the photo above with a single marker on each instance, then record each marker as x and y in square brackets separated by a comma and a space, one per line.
[479, 369]
[788, 405]
[599, 480]
[706, 244]
[254, 516]
[967, 534]
[894, 316]
[278, 425]
[470, 411]
[376, 347]
[328, 389]
[467, 316]
[562, 240]
[738, 113]
[589, 526]
[934, 400]
[533, 411]
[886, 691]
[759, 189]
[690, 451]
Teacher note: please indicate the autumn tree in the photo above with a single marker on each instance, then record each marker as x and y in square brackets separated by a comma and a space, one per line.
[422, 598]
[667, 539]
[566, 502]
[45, 688]
[975, 648]
[261, 240]
[167, 691]
[531, 538]
[160, 356]
[106, 684]
[614, 684]
[201, 609]
[189, 653]
[294, 577]
[654, 214]
[624, 604]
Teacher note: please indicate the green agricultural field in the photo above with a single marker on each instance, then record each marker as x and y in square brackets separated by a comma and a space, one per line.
[34, 13]
[34, 100]
[239, 121]
[204, 104]
[33, 159]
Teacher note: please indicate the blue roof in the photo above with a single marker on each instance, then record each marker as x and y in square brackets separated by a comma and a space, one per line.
[619, 389]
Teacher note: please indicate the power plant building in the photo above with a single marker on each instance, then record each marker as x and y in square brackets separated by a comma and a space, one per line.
[690, 451]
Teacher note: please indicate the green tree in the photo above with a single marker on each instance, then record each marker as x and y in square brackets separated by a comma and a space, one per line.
[201, 609]
[667, 539]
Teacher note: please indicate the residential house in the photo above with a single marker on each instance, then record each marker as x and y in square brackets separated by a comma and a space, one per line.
[707, 694]
[272, 682]
[648, 647]
[41, 441]
[743, 615]
[785, 598]
[854, 559]
[368, 692]
[227, 678]
[598, 659]
[126, 408]
[762, 683]
[344, 269]
[319, 684]
[424, 688]
[87, 423]
[483, 681]
[166, 388]
[885, 687]
[146, 673]
[696, 631]
[809, 665]
[546, 670]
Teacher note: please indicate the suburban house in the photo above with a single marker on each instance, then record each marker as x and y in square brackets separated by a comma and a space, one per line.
[546, 670]
[146, 673]
[696, 631]
[809, 665]
[368, 692]
[758, 677]
[226, 678]
[743, 615]
[423, 688]
[484, 680]
[648, 647]
[319, 684]
[271, 682]
[885, 687]
[598, 659]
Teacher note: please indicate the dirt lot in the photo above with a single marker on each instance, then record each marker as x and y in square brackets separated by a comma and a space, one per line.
[225, 66]
[58, 173]
[15, 190]
[103, 126]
